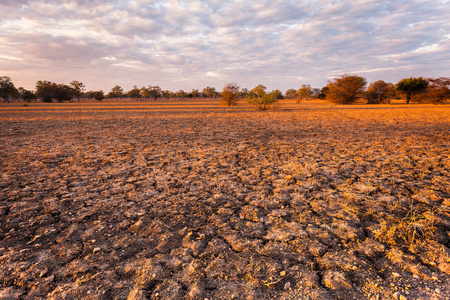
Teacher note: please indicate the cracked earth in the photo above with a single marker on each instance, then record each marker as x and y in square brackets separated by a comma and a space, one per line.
[190, 200]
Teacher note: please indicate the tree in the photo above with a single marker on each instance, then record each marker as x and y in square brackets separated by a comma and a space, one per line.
[180, 94]
[323, 93]
[116, 92]
[26, 95]
[194, 94]
[7, 88]
[291, 94]
[278, 94]
[134, 93]
[315, 92]
[261, 99]
[209, 92]
[345, 89]
[155, 92]
[411, 86]
[97, 95]
[48, 91]
[438, 89]
[230, 94]
[78, 89]
[304, 92]
[379, 91]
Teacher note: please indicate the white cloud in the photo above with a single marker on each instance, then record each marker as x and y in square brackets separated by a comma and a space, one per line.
[175, 43]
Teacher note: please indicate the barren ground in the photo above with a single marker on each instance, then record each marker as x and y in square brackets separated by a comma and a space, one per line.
[190, 200]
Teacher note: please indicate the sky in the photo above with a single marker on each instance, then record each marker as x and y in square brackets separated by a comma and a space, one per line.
[187, 45]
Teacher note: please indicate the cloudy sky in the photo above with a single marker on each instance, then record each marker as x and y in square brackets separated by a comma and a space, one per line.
[188, 45]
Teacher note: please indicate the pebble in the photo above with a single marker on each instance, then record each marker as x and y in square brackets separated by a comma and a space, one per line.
[98, 249]
[416, 276]
[395, 274]
[283, 273]
[287, 286]
[438, 290]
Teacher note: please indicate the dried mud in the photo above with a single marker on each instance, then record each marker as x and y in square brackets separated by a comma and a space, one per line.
[190, 200]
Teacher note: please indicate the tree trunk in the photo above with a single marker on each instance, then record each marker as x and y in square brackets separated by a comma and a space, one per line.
[408, 97]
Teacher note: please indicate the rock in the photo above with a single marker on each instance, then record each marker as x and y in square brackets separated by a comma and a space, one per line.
[97, 249]
[395, 274]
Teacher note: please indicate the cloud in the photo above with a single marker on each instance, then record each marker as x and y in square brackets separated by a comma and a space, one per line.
[191, 44]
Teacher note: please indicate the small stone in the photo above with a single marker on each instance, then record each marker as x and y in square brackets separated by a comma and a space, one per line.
[92, 241]
[283, 273]
[97, 249]
[438, 290]
[416, 276]
[395, 274]
[434, 278]
[50, 278]
[287, 286]
[395, 295]
[42, 274]
[401, 297]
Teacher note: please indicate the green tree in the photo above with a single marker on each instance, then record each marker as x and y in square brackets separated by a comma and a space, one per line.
[261, 99]
[411, 86]
[345, 89]
[379, 91]
[304, 93]
[230, 94]
[78, 89]
[7, 88]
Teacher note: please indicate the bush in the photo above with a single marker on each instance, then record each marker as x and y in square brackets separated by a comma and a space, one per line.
[230, 94]
[261, 99]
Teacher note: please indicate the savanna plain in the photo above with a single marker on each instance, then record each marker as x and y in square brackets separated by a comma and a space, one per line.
[191, 200]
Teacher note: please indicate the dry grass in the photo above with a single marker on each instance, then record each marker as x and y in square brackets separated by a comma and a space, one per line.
[191, 200]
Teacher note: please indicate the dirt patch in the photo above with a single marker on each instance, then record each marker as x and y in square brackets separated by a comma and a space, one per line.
[189, 200]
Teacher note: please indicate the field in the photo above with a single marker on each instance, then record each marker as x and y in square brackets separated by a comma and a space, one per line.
[191, 200]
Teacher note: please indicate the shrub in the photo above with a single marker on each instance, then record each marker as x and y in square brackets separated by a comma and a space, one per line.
[230, 94]
[261, 99]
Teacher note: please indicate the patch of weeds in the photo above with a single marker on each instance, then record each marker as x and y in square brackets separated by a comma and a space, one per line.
[414, 228]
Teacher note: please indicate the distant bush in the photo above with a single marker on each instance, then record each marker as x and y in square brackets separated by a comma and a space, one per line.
[261, 99]
[230, 94]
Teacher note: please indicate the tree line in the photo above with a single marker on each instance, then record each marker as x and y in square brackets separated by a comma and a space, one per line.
[345, 89]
